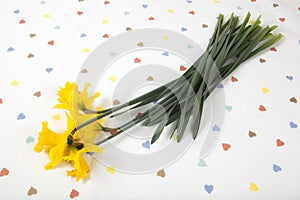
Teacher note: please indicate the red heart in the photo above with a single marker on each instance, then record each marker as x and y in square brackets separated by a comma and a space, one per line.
[51, 42]
[182, 68]
[299, 8]
[113, 131]
[105, 36]
[151, 18]
[262, 108]
[106, 2]
[74, 193]
[282, 19]
[279, 143]
[137, 60]
[4, 172]
[253, 0]
[234, 79]
[79, 12]
[1, 101]
[273, 49]
[226, 146]
[138, 115]
[192, 12]
[22, 21]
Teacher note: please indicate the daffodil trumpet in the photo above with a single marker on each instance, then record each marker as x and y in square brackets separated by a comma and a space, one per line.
[178, 100]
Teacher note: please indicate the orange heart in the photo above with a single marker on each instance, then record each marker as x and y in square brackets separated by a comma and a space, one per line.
[137, 60]
[51, 42]
[279, 143]
[253, 0]
[22, 21]
[273, 49]
[282, 19]
[192, 12]
[4, 172]
[182, 68]
[1, 101]
[262, 108]
[234, 79]
[226, 146]
[74, 193]
[151, 18]
[79, 12]
[106, 2]
[105, 36]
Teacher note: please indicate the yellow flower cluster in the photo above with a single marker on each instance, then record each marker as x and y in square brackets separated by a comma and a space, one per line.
[63, 146]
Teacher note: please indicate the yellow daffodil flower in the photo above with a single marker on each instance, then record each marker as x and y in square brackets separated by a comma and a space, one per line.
[63, 147]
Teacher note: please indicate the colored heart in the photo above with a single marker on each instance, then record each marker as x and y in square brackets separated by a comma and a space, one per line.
[253, 187]
[10, 49]
[189, 46]
[111, 170]
[1, 101]
[106, 2]
[275, 5]
[32, 191]
[276, 168]
[226, 146]
[30, 55]
[220, 85]
[251, 134]
[56, 27]
[279, 142]
[145, 6]
[126, 13]
[151, 18]
[234, 79]
[189, 1]
[137, 60]
[253, 0]
[86, 50]
[161, 173]
[293, 125]
[83, 35]
[183, 29]
[204, 25]
[216, 128]
[51, 42]
[128, 29]
[202, 163]
[228, 108]
[32, 35]
[112, 54]
[46, 16]
[273, 49]
[29, 139]
[239, 8]
[79, 13]
[16, 11]
[105, 36]
[140, 44]
[4, 172]
[56, 117]
[21, 116]
[170, 11]
[104, 21]
[192, 12]
[48, 70]
[74, 193]
[43, 2]
[146, 144]
[138, 115]
[282, 19]
[289, 77]
[22, 21]
[293, 100]
[116, 102]
[83, 71]
[262, 108]
[208, 188]
[165, 53]
[265, 90]
[165, 37]
[182, 68]
[261, 60]
[112, 78]
[150, 78]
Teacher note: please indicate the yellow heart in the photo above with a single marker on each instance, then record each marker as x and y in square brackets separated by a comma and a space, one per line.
[112, 78]
[253, 187]
[56, 117]
[111, 170]
[175, 136]
[170, 10]
[46, 16]
[216, 1]
[86, 50]
[104, 21]
[165, 37]
[265, 90]
[251, 22]
[14, 83]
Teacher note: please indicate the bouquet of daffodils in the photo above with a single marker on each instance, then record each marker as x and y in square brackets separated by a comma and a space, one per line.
[178, 101]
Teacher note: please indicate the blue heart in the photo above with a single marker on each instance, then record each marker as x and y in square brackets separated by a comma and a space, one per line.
[289, 77]
[10, 49]
[216, 128]
[220, 85]
[293, 125]
[145, 6]
[21, 116]
[208, 188]
[16, 11]
[48, 70]
[165, 53]
[183, 29]
[276, 168]
[83, 35]
[146, 144]
[188, 1]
